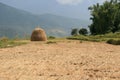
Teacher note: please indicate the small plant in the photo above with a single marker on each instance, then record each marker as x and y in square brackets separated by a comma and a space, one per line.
[51, 37]
[51, 42]
[114, 42]
[4, 39]
[110, 41]
[83, 31]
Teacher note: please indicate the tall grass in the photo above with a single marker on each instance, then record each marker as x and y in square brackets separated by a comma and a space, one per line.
[5, 42]
[96, 38]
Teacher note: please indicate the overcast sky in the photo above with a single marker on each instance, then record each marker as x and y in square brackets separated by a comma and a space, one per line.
[70, 8]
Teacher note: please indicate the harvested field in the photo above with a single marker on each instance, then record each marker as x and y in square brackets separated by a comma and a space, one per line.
[65, 60]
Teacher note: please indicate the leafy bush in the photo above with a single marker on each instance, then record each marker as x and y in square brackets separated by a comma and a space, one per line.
[114, 42]
[51, 37]
[83, 31]
[51, 42]
[74, 32]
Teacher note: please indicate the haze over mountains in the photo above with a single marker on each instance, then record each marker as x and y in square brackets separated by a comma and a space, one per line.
[16, 22]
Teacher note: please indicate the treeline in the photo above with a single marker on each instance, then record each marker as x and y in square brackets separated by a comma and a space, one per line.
[76, 31]
[105, 18]
[105, 24]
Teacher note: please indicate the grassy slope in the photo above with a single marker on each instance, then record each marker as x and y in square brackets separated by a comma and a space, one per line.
[11, 43]
[4, 42]
[97, 38]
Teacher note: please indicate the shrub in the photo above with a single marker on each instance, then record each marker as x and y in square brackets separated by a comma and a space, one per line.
[51, 42]
[110, 41]
[74, 32]
[83, 31]
[51, 37]
[114, 42]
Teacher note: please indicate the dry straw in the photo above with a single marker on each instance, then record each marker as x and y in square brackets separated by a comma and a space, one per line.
[38, 35]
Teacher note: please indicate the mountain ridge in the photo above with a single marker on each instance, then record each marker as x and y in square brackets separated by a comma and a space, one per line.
[18, 22]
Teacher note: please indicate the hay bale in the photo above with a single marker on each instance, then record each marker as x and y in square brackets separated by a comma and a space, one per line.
[38, 35]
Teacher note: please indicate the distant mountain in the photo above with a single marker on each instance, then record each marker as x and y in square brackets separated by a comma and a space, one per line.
[15, 22]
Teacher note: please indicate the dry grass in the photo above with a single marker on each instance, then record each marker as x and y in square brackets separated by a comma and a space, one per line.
[38, 35]
[66, 60]
[11, 43]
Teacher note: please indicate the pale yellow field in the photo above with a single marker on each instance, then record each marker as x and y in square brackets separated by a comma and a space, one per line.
[67, 60]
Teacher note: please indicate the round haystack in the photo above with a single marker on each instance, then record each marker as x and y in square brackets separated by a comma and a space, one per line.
[38, 35]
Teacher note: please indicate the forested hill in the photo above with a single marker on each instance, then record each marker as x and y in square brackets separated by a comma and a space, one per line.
[15, 22]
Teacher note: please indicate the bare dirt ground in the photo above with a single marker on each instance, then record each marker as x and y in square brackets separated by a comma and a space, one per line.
[67, 60]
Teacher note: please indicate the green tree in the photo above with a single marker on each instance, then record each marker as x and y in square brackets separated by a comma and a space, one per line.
[83, 31]
[116, 26]
[74, 32]
[105, 18]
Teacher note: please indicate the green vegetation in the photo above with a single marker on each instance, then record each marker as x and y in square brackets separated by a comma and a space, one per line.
[5, 43]
[74, 32]
[114, 42]
[83, 31]
[51, 42]
[96, 38]
[105, 24]
[105, 18]
[51, 37]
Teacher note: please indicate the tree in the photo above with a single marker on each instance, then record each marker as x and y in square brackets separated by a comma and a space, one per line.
[116, 26]
[83, 31]
[74, 32]
[105, 17]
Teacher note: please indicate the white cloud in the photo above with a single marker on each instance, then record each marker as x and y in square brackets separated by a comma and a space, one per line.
[76, 2]
[101, 1]
[69, 2]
